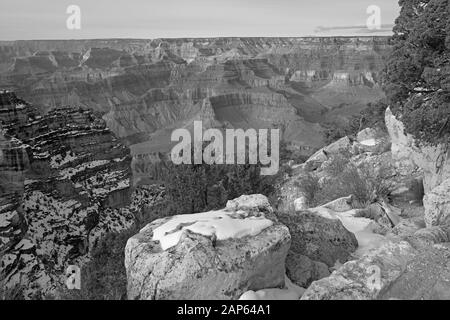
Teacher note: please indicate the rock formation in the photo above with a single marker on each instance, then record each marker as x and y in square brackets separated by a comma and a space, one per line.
[145, 88]
[65, 182]
[216, 255]
[433, 161]
[317, 244]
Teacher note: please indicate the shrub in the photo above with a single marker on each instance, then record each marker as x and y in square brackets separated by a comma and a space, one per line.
[309, 185]
[344, 179]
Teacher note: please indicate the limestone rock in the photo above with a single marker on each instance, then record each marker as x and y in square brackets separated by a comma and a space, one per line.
[319, 238]
[437, 205]
[341, 204]
[377, 146]
[303, 271]
[367, 134]
[341, 146]
[402, 144]
[202, 267]
[434, 161]
[427, 277]
[408, 226]
[248, 202]
[355, 279]
[60, 192]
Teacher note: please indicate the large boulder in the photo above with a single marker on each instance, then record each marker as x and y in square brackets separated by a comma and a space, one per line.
[378, 146]
[250, 202]
[437, 205]
[341, 146]
[365, 278]
[212, 255]
[427, 277]
[303, 271]
[367, 134]
[319, 238]
[371, 140]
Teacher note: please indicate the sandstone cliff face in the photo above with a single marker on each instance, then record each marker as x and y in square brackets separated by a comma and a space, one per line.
[65, 182]
[13, 164]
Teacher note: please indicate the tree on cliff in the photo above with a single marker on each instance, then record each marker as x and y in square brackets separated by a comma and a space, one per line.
[417, 73]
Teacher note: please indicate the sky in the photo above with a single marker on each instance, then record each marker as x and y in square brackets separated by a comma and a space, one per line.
[148, 19]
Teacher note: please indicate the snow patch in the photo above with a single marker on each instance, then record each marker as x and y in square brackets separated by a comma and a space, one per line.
[220, 223]
[369, 142]
[363, 229]
[290, 292]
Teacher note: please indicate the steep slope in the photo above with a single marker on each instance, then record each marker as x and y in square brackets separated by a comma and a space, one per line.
[64, 183]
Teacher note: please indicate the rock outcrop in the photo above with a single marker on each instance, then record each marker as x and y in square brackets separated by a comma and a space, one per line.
[65, 183]
[437, 205]
[427, 277]
[365, 278]
[407, 267]
[214, 256]
[13, 165]
[319, 238]
[434, 161]
[318, 243]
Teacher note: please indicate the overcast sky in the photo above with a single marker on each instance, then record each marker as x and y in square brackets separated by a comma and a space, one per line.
[46, 19]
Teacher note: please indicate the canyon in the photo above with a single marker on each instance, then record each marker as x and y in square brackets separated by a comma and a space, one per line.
[85, 125]
[395, 248]
[144, 89]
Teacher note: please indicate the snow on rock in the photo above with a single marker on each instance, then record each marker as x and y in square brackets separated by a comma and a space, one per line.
[223, 224]
[213, 255]
[60, 160]
[76, 192]
[70, 172]
[364, 229]
[369, 142]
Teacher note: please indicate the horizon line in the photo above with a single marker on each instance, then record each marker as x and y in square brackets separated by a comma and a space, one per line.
[212, 37]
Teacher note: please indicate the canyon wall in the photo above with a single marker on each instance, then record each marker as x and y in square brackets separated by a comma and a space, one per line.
[64, 183]
[144, 89]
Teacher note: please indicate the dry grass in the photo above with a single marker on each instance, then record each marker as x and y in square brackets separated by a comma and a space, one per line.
[343, 179]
